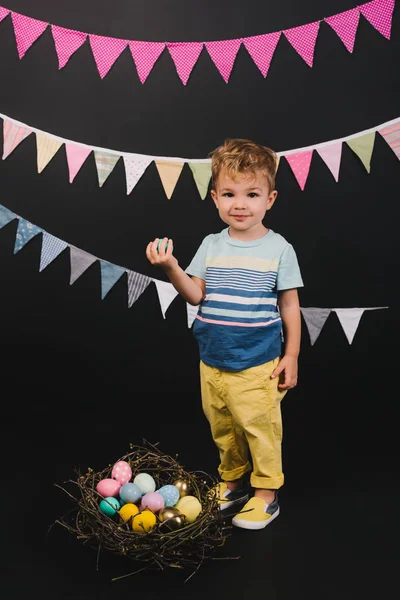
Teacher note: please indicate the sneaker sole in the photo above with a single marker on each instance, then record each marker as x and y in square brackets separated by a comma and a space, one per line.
[254, 524]
[230, 503]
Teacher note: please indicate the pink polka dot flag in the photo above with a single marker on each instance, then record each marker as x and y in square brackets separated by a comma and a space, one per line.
[345, 24]
[145, 55]
[26, 31]
[134, 169]
[106, 50]
[379, 13]
[66, 41]
[300, 165]
[261, 49]
[3, 13]
[184, 55]
[303, 40]
[76, 156]
[223, 54]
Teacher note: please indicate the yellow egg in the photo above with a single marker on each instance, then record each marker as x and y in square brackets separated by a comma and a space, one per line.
[190, 507]
[128, 510]
[144, 521]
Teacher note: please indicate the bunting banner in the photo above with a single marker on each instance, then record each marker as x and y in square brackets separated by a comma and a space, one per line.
[137, 283]
[169, 168]
[184, 55]
[349, 319]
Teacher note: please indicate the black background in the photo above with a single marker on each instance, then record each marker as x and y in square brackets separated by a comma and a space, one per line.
[82, 377]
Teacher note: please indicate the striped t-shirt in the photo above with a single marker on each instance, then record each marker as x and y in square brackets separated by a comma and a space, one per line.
[238, 324]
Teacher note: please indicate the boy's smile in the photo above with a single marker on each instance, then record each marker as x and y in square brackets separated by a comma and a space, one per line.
[242, 203]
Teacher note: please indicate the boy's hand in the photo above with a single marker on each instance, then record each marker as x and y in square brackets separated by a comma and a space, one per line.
[161, 257]
[288, 368]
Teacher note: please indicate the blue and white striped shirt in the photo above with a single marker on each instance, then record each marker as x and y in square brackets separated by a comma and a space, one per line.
[238, 324]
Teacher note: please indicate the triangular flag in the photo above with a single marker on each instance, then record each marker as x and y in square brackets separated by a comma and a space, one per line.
[379, 13]
[106, 50]
[51, 248]
[166, 294]
[3, 13]
[363, 146]
[137, 283]
[46, 148]
[134, 168]
[105, 163]
[26, 31]
[191, 313]
[223, 53]
[303, 40]
[110, 274]
[169, 174]
[25, 232]
[145, 55]
[66, 41]
[201, 175]
[184, 55]
[345, 24]
[76, 156]
[13, 135]
[80, 261]
[315, 320]
[261, 49]
[6, 216]
[391, 135]
[349, 319]
[300, 164]
[331, 155]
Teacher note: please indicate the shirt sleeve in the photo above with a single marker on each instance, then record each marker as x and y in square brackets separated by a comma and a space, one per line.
[197, 267]
[289, 276]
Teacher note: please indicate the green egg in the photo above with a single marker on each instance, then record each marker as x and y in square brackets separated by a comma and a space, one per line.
[159, 244]
[109, 506]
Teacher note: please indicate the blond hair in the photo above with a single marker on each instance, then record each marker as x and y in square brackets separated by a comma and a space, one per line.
[244, 157]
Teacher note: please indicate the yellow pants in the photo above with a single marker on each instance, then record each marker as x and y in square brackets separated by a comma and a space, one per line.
[244, 412]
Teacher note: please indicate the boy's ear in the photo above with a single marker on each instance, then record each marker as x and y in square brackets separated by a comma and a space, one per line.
[271, 198]
[214, 197]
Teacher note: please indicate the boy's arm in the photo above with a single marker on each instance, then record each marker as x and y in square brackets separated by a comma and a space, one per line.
[192, 289]
[289, 308]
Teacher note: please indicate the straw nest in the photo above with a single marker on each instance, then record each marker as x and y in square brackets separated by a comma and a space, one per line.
[187, 547]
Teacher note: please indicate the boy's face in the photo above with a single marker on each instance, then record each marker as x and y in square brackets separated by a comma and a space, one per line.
[242, 203]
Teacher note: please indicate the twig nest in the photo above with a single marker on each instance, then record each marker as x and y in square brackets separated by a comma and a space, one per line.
[151, 518]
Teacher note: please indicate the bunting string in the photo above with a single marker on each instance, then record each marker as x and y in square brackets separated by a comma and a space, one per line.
[170, 168]
[261, 48]
[137, 283]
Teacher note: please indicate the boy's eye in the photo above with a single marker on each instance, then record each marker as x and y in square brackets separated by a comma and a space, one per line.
[228, 194]
[253, 195]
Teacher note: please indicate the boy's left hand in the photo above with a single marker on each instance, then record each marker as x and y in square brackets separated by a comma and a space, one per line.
[288, 367]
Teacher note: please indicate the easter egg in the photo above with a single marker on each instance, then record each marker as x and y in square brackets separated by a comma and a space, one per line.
[190, 507]
[171, 519]
[159, 244]
[128, 510]
[109, 506]
[144, 521]
[121, 472]
[130, 492]
[170, 493]
[108, 487]
[145, 482]
[152, 500]
[182, 486]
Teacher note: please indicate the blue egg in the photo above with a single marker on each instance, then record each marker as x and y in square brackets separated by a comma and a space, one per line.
[130, 492]
[109, 506]
[170, 493]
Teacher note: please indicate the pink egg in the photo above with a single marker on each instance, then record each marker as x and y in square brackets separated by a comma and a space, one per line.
[121, 472]
[108, 487]
[152, 500]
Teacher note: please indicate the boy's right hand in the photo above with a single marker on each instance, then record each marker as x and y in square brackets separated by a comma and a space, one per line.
[161, 257]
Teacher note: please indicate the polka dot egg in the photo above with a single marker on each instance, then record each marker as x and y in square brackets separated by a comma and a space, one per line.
[121, 472]
[170, 493]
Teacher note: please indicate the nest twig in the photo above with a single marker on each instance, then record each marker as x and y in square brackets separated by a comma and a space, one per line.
[187, 547]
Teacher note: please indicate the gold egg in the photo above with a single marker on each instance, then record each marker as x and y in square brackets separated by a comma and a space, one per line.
[171, 519]
[182, 486]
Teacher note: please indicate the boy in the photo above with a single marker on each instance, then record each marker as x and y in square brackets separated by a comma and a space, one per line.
[245, 281]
